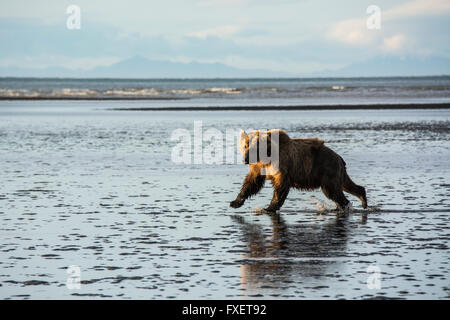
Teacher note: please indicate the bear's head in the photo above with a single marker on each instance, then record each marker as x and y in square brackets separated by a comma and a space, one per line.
[256, 146]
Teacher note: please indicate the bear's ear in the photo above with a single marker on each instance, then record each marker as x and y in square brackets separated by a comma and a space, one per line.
[242, 135]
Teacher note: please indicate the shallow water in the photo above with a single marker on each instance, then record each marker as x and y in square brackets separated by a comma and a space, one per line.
[97, 189]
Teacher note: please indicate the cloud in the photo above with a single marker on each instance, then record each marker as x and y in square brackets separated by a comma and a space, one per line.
[220, 32]
[46, 61]
[398, 26]
[395, 43]
[418, 8]
[352, 32]
[221, 3]
[235, 3]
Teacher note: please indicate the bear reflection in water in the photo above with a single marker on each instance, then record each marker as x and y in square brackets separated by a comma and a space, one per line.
[293, 253]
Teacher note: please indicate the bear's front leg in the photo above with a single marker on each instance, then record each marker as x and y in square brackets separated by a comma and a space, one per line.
[237, 203]
[252, 184]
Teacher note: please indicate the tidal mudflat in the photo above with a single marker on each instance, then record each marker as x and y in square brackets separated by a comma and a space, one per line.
[95, 188]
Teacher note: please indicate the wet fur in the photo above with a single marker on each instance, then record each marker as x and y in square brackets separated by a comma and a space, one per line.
[305, 164]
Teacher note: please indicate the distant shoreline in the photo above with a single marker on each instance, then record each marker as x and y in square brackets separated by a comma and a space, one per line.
[305, 107]
[287, 78]
[24, 98]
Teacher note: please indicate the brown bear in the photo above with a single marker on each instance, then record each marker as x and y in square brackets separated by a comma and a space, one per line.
[304, 164]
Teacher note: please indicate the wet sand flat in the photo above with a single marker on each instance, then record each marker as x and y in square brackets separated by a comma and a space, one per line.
[378, 106]
[95, 188]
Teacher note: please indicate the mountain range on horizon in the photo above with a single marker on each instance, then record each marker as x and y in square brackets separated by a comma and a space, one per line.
[140, 67]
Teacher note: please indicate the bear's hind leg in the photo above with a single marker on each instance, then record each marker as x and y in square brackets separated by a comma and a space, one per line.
[335, 194]
[358, 191]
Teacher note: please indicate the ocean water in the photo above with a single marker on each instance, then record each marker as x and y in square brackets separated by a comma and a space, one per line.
[217, 92]
[95, 190]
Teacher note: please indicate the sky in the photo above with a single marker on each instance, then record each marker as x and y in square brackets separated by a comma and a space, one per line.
[302, 36]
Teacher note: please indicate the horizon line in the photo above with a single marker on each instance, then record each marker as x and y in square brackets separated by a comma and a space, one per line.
[223, 78]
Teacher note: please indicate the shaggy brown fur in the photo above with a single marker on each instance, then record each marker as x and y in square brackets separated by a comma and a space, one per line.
[304, 164]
